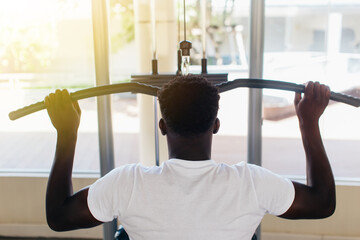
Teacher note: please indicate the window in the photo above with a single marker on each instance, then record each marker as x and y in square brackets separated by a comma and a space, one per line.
[318, 41]
[49, 45]
[45, 44]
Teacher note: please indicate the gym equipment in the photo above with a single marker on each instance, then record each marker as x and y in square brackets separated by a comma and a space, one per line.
[136, 87]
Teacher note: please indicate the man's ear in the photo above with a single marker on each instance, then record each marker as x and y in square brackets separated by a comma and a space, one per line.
[162, 126]
[216, 126]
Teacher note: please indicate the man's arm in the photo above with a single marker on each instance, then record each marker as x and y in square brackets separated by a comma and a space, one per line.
[65, 210]
[316, 199]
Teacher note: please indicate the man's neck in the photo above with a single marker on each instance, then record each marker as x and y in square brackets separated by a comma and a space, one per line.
[192, 149]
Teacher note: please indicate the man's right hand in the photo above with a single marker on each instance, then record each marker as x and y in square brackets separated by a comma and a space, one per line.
[64, 209]
[63, 112]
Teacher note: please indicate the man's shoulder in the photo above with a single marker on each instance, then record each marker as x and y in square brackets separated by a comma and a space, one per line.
[125, 169]
[136, 168]
[255, 171]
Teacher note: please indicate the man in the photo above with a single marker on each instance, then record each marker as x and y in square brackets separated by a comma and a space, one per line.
[189, 196]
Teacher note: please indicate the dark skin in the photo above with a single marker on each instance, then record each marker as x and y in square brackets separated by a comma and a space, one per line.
[195, 148]
[317, 198]
[67, 211]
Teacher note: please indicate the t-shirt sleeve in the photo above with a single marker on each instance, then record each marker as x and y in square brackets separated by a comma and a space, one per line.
[109, 196]
[275, 193]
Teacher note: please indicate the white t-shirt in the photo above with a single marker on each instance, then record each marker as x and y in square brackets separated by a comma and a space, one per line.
[190, 199]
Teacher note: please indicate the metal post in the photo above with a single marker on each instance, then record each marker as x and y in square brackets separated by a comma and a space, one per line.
[257, 16]
[156, 121]
[101, 52]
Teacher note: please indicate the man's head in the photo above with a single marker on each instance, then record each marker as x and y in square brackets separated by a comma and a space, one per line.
[189, 105]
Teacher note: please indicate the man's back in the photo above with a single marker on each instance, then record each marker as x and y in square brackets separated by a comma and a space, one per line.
[190, 199]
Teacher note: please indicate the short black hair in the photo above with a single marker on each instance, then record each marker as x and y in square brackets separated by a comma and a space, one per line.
[189, 105]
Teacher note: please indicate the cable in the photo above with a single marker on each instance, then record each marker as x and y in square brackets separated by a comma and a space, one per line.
[178, 20]
[184, 21]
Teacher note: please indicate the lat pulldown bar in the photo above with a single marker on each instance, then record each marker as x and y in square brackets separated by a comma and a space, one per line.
[152, 90]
